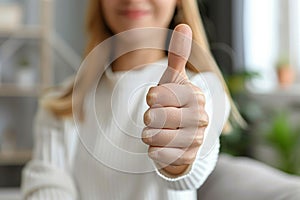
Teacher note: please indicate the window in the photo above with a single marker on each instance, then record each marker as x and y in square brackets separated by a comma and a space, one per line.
[295, 32]
[271, 32]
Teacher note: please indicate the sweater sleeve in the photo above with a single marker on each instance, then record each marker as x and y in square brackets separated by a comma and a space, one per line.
[207, 155]
[47, 175]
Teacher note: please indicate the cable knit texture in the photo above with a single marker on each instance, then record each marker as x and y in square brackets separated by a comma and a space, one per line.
[66, 167]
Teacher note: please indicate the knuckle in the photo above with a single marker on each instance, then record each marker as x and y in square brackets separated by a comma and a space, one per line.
[198, 94]
[200, 98]
[198, 140]
[205, 118]
[202, 123]
[191, 86]
[188, 158]
[202, 118]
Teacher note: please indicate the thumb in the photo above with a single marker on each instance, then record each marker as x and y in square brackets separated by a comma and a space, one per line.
[179, 52]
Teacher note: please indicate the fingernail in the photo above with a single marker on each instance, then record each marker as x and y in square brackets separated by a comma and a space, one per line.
[151, 98]
[147, 118]
[147, 136]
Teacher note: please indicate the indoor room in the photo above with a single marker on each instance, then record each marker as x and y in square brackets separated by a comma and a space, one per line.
[244, 126]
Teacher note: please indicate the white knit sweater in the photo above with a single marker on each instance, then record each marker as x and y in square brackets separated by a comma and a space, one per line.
[107, 165]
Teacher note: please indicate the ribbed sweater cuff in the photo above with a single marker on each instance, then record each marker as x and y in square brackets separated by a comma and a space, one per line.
[196, 176]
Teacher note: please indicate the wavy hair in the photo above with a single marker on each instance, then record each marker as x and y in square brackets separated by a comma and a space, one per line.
[186, 12]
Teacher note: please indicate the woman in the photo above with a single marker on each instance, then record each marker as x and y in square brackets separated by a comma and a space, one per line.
[178, 113]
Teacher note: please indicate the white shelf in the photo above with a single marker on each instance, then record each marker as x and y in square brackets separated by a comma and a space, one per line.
[15, 157]
[23, 32]
[12, 90]
[278, 97]
[292, 91]
[12, 39]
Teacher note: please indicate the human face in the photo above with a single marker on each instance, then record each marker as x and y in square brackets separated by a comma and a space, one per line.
[122, 15]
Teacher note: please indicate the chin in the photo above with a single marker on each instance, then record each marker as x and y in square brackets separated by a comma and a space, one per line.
[143, 37]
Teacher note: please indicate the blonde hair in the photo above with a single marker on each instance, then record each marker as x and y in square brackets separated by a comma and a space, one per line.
[61, 105]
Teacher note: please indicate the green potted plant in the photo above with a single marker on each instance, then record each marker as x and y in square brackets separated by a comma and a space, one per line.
[237, 81]
[285, 140]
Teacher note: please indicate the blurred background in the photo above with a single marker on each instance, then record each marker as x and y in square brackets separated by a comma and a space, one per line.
[256, 44]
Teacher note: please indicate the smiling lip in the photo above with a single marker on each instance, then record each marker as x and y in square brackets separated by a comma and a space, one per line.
[134, 14]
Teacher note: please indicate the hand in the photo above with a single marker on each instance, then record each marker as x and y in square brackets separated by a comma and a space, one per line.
[176, 120]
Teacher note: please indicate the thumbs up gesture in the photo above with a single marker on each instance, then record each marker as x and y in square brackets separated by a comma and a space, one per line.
[176, 119]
